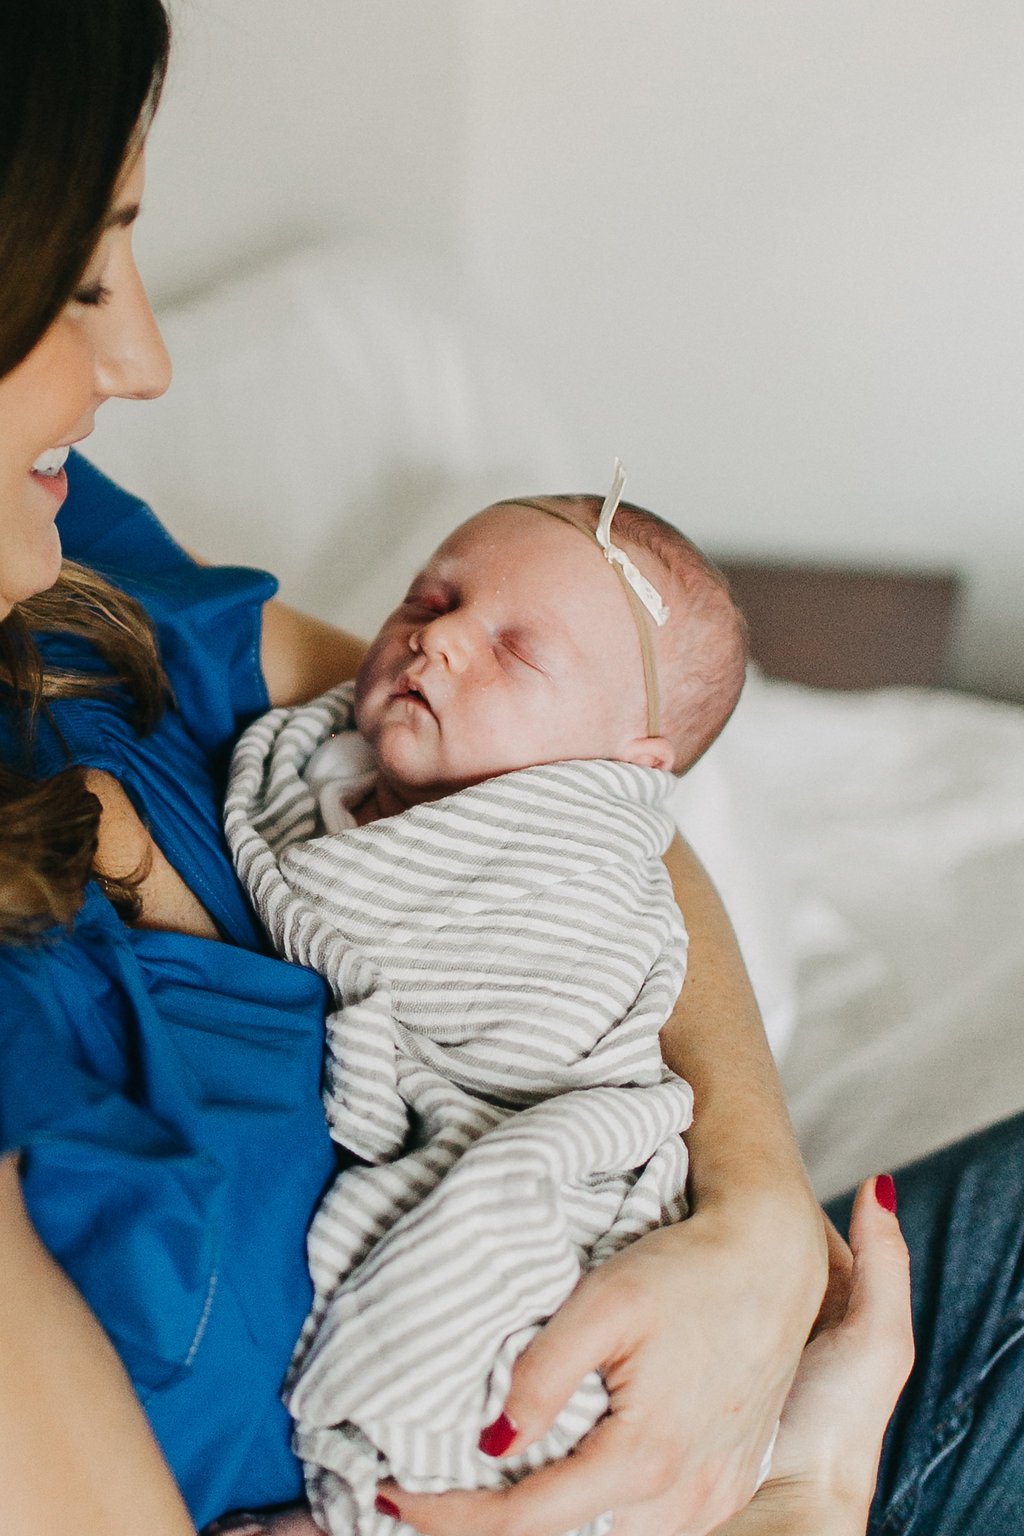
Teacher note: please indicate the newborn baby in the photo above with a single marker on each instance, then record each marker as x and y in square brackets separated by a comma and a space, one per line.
[467, 844]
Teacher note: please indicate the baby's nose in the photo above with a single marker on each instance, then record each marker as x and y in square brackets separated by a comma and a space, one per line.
[448, 638]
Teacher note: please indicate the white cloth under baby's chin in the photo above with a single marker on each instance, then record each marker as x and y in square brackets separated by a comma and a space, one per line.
[341, 773]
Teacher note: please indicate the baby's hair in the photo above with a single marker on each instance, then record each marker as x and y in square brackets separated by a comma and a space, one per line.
[702, 650]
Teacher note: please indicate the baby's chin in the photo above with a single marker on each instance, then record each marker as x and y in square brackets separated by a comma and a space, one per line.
[408, 777]
[414, 773]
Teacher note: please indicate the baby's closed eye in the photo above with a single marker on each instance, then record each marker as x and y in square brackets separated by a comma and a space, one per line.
[519, 650]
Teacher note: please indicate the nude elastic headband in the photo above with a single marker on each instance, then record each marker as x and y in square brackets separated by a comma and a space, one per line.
[642, 597]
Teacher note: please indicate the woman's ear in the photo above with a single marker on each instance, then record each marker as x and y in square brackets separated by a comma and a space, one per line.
[650, 752]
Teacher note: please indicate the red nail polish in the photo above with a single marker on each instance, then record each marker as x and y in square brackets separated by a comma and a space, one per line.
[497, 1437]
[384, 1506]
[885, 1193]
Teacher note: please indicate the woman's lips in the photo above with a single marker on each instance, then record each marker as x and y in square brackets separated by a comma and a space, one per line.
[48, 471]
[54, 485]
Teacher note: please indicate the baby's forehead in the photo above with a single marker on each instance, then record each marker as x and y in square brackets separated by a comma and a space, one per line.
[535, 530]
[539, 566]
[532, 530]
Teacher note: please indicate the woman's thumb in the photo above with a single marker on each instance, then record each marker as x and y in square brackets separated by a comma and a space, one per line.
[880, 1286]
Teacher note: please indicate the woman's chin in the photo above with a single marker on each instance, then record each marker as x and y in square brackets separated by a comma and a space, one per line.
[25, 572]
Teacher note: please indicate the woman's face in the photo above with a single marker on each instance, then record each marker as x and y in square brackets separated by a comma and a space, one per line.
[104, 342]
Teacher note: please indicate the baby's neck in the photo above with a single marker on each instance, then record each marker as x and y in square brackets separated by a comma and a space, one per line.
[368, 810]
[385, 800]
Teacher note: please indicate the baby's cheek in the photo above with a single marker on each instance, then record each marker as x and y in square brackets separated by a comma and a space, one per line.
[370, 691]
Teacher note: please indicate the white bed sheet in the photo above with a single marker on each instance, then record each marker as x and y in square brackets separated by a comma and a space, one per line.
[897, 822]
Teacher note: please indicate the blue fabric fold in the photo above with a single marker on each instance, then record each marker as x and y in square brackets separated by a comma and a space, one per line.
[164, 1090]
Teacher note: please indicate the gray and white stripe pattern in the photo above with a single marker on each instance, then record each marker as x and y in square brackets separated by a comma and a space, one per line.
[501, 962]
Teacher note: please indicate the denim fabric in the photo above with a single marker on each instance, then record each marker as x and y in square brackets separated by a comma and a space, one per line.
[953, 1460]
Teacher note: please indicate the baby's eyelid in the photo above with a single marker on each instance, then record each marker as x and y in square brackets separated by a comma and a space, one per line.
[508, 643]
[416, 599]
[428, 590]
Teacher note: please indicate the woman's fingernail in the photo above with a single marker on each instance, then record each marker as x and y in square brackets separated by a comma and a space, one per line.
[885, 1193]
[497, 1437]
[384, 1506]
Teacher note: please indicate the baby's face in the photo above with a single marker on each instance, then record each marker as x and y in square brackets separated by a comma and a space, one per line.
[514, 646]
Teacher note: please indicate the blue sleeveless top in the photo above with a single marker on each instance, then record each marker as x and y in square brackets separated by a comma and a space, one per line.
[164, 1089]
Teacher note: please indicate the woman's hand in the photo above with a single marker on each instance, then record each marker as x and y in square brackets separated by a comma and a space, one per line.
[826, 1457]
[687, 1334]
[851, 1374]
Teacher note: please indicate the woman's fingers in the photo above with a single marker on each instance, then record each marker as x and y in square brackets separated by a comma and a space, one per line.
[879, 1316]
[826, 1457]
[557, 1498]
[688, 1422]
[612, 1468]
[579, 1338]
[637, 1460]
[614, 1458]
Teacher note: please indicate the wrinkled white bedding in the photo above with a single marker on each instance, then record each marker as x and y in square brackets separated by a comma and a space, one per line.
[889, 865]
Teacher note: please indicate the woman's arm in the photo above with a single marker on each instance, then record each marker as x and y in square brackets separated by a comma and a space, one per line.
[302, 656]
[697, 1328]
[755, 1241]
[76, 1451]
[741, 1139]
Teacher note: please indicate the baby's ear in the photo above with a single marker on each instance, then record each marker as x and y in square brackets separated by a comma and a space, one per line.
[650, 752]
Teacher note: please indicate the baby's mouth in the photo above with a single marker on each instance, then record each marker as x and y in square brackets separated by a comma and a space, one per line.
[414, 693]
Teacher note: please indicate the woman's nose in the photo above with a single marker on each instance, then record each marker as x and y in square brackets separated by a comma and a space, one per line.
[131, 360]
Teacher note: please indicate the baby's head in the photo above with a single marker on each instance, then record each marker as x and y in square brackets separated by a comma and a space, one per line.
[518, 644]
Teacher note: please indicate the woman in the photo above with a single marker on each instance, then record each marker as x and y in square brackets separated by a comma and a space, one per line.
[158, 1068]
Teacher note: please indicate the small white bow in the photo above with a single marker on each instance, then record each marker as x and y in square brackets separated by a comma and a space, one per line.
[648, 595]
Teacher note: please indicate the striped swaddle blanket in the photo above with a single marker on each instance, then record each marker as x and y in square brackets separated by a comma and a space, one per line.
[501, 962]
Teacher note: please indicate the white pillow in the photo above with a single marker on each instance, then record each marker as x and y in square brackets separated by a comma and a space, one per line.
[329, 421]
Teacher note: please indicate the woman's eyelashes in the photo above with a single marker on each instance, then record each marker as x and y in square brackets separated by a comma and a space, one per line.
[92, 294]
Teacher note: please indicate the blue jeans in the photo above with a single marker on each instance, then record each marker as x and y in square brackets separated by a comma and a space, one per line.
[953, 1460]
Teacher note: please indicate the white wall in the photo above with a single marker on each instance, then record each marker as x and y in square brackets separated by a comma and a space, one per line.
[769, 251]
[288, 119]
[773, 253]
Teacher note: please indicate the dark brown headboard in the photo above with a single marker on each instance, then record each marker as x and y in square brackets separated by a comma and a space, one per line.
[832, 627]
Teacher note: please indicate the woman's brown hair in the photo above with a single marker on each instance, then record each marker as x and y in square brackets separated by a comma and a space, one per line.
[79, 82]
